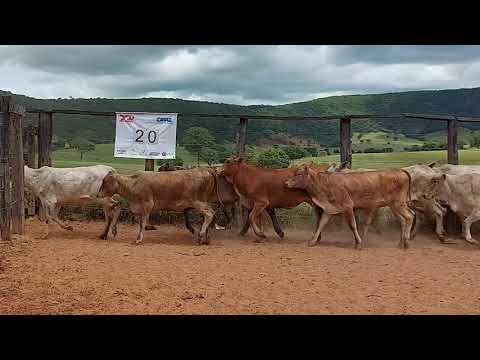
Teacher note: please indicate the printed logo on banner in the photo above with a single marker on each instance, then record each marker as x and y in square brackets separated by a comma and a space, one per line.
[127, 118]
[164, 120]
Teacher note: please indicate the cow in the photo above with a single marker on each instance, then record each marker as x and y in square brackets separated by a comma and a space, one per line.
[420, 175]
[263, 188]
[226, 196]
[56, 187]
[179, 191]
[342, 193]
[461, 193]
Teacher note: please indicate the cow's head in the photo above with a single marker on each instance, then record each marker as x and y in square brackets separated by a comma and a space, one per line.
[109, 186]
[434, 186]
[230, 167]
[300, 178]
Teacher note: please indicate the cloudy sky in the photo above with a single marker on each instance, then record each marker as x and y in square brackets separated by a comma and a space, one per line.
[234, 74]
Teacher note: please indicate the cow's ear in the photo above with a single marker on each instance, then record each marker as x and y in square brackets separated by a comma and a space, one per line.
[432, 164]
[332, 168]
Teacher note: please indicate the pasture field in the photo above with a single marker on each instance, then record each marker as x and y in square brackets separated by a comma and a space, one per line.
[399, 159]
[76, 273]
[103, 154]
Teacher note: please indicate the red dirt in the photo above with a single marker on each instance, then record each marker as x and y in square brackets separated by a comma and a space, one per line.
[76, 273]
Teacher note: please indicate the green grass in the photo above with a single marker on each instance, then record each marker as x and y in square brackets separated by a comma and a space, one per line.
[382, 139]
[399, 159]
[103, 154]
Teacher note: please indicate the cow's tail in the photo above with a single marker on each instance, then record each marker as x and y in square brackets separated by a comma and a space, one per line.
[215, 180]
[410, 204]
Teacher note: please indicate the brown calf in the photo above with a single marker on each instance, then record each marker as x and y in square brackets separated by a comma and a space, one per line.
[180, 191]
[261, 188]
[341, 193]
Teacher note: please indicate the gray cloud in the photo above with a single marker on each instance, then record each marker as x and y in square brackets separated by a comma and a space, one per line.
[236, 74]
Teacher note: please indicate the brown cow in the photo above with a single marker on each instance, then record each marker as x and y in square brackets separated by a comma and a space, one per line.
[341, 193]
[149, 191]
[263, 188]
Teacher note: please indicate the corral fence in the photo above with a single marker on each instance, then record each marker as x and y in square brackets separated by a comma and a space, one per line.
[26, 135]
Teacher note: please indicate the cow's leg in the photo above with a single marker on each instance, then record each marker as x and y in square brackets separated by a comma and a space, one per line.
[255, 216]
[188, 224]
[109, 209]
[208, 216]
[406, 217]
[473, 217]
[115, 216]
[370, 216]
[276, 225]
[54, 209]
[47, 219]
[321, 223]
[246, 225]
[350, 217]
[143, 219]
[439, 213]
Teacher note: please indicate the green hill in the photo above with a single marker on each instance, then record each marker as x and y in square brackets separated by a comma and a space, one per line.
[101, 129]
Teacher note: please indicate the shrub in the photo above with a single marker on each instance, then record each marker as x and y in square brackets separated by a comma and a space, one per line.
[178, 161]
[312, 151]
[295, 152]
[272, 158]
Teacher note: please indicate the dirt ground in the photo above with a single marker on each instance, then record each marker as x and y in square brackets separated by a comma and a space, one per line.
[76, 273]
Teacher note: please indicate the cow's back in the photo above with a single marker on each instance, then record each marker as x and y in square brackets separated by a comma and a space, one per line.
[269, 185]
[68, 184]
[372, 188]
[459, 169]
[174, 190]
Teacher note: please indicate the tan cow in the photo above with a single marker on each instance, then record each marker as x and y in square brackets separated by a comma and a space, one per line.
[150, 191]
[341, 193]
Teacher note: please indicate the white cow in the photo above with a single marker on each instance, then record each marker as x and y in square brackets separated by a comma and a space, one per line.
[462, 194]
[56, 187]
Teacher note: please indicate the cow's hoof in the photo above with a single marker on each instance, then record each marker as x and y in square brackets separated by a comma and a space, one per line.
[103, 237]
[442, 238]
[358, 246]
[282, 235]
[70, 228]
[311, 243]
[472, 241]
[137, 242]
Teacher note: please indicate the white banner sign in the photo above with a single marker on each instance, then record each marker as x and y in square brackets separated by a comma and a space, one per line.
[145, 135]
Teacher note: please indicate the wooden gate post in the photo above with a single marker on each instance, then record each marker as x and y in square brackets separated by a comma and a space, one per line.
[45, 134]
[452, 156]
[149, 165]
[5, 213]
[346, 141]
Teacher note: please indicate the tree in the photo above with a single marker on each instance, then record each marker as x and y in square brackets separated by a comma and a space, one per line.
[272, 158]
[475, 142]
[197, 139]
[82, 145]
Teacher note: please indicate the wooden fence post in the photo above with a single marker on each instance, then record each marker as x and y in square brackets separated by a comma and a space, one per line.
[346, 141]
[45, 134]
[452, 157]
[242, 137]
[5, 213]
[16, 115]
[149, 165]
[29, 154]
